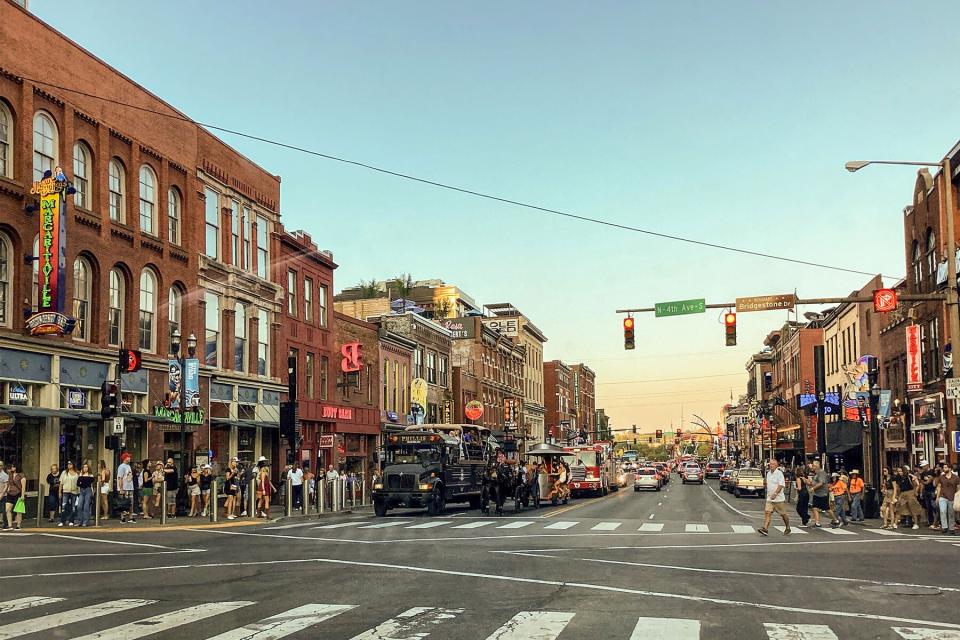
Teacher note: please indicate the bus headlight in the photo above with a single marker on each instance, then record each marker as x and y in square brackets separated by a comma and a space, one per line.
[425, 486]
[378, 485]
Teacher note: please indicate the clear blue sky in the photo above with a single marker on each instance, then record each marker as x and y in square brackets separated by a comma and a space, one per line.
[724, 121]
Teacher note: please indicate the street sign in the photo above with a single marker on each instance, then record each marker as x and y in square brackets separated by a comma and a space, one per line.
[679, 307]
[953, 388]
[956, 441]
[767, 303]
[884, 300]
[118, 426]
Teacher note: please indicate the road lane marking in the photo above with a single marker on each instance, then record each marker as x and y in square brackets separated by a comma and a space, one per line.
[798, 631]
[650, 517]
[606, 526]
[518, 524]
[165, 621]
[838, 531]
[697, 528]
[563, 524]
[290, 526]
[731, 507]
[415, 623]
[102, 541]
[651, 526]
[908, 633]
[430, 524]
[533, 625]
[54, 620]
[742, 528]
[26, 603]
[385, 525]
[885, 532]
[339, 525]
[286, 623]
[474, 525]
[793, 530]
[673, 628]
[708, 546]
[102, 555]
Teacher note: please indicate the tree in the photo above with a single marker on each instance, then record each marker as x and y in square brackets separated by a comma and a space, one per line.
[371, 289]
[442, 308]
[403, 287]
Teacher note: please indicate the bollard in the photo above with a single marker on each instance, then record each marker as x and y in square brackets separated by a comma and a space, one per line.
[40, 504]
[214, 500]
[337, 494]
[305, 498]
[353, 495]
[96, 506]
[252, 498]
[321, 495]
[288, 498]
[163, 502]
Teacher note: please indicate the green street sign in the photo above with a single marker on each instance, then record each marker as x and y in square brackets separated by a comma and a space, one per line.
[679, 307]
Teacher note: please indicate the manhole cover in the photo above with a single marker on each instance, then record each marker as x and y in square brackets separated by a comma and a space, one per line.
[903, 590]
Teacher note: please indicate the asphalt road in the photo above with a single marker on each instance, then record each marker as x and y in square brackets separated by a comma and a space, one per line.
[681, 563]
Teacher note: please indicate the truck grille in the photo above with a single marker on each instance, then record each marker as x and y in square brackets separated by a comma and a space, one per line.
[400, 481]
[578, 474]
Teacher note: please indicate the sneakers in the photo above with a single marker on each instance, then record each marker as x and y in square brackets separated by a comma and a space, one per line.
[231, 517]
[786, 531]
[803, 525]
[243, 513]
[915, 526]
[59, 524]
[204, 514]
[763, 531]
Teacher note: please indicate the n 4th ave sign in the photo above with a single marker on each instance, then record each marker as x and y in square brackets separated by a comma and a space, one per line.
[679, 307]
[766, 303]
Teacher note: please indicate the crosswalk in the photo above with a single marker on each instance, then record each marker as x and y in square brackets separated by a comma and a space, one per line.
[421, 622]
[577, 526]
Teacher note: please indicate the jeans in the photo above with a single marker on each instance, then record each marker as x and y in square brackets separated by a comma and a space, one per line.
[297, 495]
[930, 505]
[856, 507]
[946, 514]
[85, 506]
[67, 505]
[838, 507]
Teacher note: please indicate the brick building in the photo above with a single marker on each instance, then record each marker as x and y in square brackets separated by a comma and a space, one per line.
[561, 420]
[583, 380]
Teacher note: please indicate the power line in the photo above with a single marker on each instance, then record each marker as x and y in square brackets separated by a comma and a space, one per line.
[664, 393]
[716, 375]
[449, 187]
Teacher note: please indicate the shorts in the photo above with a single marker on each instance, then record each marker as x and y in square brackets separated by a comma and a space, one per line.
[205, 492]
[194, 490]
[779, 507]
[821, 502]
[172, 496]
[146, 492]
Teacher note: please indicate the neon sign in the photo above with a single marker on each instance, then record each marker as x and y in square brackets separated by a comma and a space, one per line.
[351, 357]
[52, 246]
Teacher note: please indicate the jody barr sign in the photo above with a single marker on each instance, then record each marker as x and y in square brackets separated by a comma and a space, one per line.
[766, 303]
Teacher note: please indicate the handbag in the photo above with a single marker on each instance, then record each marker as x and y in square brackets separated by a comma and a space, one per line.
[20, 507]
[956, 503]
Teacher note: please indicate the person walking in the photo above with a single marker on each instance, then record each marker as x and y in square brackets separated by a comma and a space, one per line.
[4, 482]
[170, 476]
[103, 490]
[16, 488]
[803, 496]
[247, 476]
[85, 482]
[53, 492]
[947, 485]
[68, 495]
[888, 508]
[819, 487]
[776, 500]
[137, 489]
[907, 504]
[926, 492]
[231, 485]
[264, 491]
[855, 490]
[204, 481]
[838, 491]
[125, 489]
[146, 488]
[296, 485]
[191, 484]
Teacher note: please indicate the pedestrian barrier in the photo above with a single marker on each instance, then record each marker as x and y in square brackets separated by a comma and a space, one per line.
[288, 498]
[40, 504]
[163, 502]
[214, 498]
[252, 498]
[96, 508]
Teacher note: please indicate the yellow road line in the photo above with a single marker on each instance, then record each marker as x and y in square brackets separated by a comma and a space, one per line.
[581, 504]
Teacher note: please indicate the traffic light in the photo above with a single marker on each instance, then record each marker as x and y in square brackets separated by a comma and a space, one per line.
[129, 360]
[109, 402]
[659, 434]
[730, 322]
[634, 429]
[649, 440]
[628, 333]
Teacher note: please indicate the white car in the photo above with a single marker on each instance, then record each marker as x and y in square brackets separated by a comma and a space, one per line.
[646, 478]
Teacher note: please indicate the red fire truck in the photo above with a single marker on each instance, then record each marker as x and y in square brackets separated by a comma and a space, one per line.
[592, 469]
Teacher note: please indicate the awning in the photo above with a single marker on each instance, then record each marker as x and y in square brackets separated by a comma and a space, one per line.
[790, 429]
[248, 424]
[146, 417]
[843, 436]
[45, 412]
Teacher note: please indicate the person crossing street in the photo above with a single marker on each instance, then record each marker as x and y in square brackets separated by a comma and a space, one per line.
[776, 500]
[855, 490]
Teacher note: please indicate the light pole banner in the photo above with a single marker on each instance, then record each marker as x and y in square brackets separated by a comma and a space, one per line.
[192, 385]
[177, 388]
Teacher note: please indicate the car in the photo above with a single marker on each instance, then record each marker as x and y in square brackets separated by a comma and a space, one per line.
[663, 472]
[726, 478]
[714, 469]
[647, 478]
[622, 478]
[749, 481]
[692, 473]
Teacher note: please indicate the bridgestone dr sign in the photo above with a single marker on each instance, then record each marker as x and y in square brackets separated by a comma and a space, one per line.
[766, 303]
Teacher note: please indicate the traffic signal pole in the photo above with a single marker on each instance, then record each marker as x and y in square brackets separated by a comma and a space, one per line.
[906, 297]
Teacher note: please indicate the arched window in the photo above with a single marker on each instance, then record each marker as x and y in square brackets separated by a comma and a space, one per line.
[6, 141]
[148, 309]
[116, 185]
[81, 298]
[174, 309]
[932, 258]
[174, 206]
[116, 313]
[240, 338]
[81, 175]
[44, 144]
[6, 279]
[915, 262]
[148, 199]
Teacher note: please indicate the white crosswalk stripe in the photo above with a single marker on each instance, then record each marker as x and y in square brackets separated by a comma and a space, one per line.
[286, 623]
[429, 524]
[385, 525]
[412, 624]
[165, 621]
[913, 633]
[516, 524]
[289, 526]
[838, 531]
[673, 628]
[793, 530]
[473, 525]
[798, 631]
[742, 528]
[562, 524]
[55, 620]
[533, 625]
[26, 603]
[339, 525]
[606, 526]
[651, 527]
[697, 528]
[885, 532]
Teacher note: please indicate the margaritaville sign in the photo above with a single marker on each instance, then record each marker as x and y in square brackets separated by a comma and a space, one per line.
[49, 318]
[190, 416]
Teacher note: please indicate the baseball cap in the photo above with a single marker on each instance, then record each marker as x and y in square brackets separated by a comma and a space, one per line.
[234, 459]
[924, 463]
[262, 459]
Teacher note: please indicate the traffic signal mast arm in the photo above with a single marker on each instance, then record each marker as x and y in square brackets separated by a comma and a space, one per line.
[906, 297]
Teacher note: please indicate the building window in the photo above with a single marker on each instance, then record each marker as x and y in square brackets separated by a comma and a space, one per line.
[148, 309]
[396, 387]
[211, 343]
[246, 239]
[915, 259]
[148, 200]
[44, 145]
[294, 354]
[263, 342]
[443, 371]
[308, 300]
[431, 367]
[174, 210]
[933, 353]
[322, 302]
[115, 184]
[174, 310]
[81, 298]
[115, 314]
[6, 141]
[235, 226]
[81, 175]
[292, 293]
[311, 391]
[384, 385]
[262, 249]
[211, 213]
[369, 371]
[418, 362]
[324, 376]
[6, 278]
[240, 338]
[932, 258]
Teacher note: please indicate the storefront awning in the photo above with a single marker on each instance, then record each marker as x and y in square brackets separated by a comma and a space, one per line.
[44, 412]
[843, 436]
[247, 424]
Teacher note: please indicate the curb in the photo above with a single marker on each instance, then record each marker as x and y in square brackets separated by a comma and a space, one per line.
[133, 528]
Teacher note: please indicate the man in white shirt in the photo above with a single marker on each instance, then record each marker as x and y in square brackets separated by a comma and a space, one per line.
[775, 499]
[296, 484]
[125, 488]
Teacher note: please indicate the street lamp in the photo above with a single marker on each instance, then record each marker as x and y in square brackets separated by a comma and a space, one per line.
[181, 360]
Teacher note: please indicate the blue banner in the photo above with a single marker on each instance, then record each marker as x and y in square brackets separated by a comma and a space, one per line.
[177, 388]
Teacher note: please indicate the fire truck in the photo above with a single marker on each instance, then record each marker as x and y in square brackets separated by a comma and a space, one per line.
[592, 469]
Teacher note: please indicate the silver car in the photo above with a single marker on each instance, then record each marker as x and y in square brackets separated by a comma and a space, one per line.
[646, 478]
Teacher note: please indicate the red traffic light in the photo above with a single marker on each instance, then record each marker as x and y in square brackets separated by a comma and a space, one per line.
[729, 318]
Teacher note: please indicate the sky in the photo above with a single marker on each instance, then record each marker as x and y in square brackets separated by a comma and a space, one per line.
[727, 122]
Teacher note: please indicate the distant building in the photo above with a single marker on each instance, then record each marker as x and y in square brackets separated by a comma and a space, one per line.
[434, 298]
[561, 419]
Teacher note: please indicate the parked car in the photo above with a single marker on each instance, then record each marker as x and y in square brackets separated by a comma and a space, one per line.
[647, 478]
[726, 479]
[749, 482]
[692, 473]
[715, 469]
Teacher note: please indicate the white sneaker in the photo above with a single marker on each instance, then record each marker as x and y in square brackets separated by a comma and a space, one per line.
[59, 524]
[231, 517]
[204, 514]
[915, 526]
[243, 513]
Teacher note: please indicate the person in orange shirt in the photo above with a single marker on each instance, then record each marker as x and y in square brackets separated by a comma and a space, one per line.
[838, 489]
[856, 496]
